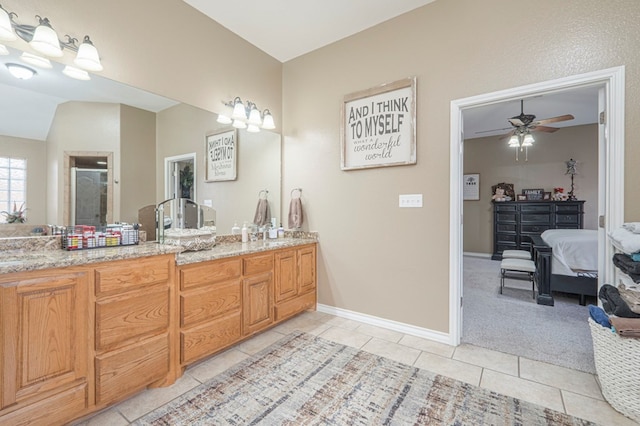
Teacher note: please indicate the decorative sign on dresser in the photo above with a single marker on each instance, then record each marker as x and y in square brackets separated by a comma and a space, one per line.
[515, 222]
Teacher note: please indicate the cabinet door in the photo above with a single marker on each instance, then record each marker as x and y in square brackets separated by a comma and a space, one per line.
[257, 309]
[286, 284]
[307, 269]
[44, 335]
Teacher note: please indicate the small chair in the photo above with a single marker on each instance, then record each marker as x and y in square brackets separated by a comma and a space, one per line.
[516, 254]
[519, 269]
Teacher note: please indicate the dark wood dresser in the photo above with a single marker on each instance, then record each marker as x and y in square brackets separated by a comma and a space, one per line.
[515, 222]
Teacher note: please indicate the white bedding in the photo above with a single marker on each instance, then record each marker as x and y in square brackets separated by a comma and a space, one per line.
[574, 250]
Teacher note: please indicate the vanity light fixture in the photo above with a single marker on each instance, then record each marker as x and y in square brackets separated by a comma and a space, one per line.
[76, 73]
[20, 71]
[43, 39]
[3, 50]
[36, 60]
[246, 116]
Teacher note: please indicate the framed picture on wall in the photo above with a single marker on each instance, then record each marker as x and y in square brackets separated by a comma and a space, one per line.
[221, 156]
[533, 194]
[471, 187]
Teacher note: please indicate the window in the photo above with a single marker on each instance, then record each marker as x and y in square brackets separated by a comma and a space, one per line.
[13, 184]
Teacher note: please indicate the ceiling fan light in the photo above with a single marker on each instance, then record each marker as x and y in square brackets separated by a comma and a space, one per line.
[76, 73]
[528, 140]
[223, 119]
[3, 50]
[87, 57]
[45, 40]
[514, 141]
[6, 30]
[36, 60]
[20, 71]
[268, 123]
[239, 124]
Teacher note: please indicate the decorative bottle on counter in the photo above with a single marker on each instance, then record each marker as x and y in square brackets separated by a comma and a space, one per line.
[245, 233]
[235, 229]
[281, 232]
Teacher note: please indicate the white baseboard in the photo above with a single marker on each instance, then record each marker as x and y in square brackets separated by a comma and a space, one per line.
[412, 330]
[473, 254]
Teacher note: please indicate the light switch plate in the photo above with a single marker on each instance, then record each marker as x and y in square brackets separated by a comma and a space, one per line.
[410, 200]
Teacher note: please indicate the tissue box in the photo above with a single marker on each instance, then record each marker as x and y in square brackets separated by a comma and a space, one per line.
[190, 239]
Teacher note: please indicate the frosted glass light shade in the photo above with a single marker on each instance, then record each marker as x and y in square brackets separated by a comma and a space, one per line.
[3, 50]
[223, 119]
[528, 140]
[239, 112]
[254, 117]
[6, 31]
[239, 124]
[268, 123]
[253, 128]
[20, 72]
[514, 141]
[36, 60]
[87, 57]
[76, 73]
[45, 40]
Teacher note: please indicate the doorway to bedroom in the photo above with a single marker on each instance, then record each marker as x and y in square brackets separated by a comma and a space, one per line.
[602, 164]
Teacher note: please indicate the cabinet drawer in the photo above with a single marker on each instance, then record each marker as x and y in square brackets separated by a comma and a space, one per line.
[537, 218]
[506, 217]
[256, 264]
[295, 305]
[210, 302]
[505, 207]
[56, 409]
[121, 320]
[534, 229]
[567, 218]
[568, 208]
[208, 338]
[535, 208]
[506, 228]
[510, 238]
[127, 275]
[123, 372]
[211, 272]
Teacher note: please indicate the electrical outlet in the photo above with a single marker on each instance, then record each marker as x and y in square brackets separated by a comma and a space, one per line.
[410, 200]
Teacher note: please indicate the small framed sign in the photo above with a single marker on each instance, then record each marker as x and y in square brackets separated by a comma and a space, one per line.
[471, 187]
[221, 151]
[533, 194]
[379, 126]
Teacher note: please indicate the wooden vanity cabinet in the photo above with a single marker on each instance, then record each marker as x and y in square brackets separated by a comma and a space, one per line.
[210, 307]
[132, 325]
[257, 293]
[295, 281]
[44, 335]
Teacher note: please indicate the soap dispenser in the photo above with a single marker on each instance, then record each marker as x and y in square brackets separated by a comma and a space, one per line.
[281, 231]
[245, 233]
[235, 229]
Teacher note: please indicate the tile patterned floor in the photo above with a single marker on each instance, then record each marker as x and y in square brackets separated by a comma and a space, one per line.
[569, 391]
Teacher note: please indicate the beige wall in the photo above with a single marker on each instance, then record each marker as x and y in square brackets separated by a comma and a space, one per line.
[182, 129]
[80, 127]
[393, 263]
[137, 161]
[35, 153]
[495, 162]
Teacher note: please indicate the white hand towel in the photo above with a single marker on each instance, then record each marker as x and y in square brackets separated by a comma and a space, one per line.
[263, 213]
[295, 213]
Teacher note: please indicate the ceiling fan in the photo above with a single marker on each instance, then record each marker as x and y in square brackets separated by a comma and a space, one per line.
[527, 123]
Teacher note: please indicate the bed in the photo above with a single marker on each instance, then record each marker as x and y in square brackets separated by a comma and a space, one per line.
[566, 261]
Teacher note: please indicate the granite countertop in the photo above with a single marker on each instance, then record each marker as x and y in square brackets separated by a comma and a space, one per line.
[34, 253]
[229, 249]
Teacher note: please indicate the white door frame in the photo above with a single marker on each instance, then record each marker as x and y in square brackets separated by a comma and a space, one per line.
[168, 168]
[612, 186]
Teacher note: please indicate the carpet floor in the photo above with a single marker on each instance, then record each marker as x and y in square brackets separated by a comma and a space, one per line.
[514, 323]
[307, 380]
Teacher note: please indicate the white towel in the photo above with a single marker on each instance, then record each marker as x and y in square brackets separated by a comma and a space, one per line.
[295, 213]
[625, 240]
[263, 212]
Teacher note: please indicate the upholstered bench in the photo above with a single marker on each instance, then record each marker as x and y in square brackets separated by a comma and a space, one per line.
[516, 254]
[519, 269]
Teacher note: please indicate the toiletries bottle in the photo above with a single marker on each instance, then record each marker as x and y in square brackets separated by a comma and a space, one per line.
[235, 229]
[245, 233]
[281, 232]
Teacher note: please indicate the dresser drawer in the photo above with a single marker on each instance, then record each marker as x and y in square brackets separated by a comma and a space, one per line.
[535, 208]
[568, 208]
[567, 219]
[534, 229]
[536, 218]
[506, 217]
[506, 228]
[505, 207]
[506, 238]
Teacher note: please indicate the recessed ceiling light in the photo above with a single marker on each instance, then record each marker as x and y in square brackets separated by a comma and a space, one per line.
[36, 60]
[20, 71]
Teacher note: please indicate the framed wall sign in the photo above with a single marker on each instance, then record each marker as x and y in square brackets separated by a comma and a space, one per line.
[533, 194]
[379, 126]
[471, 188]
[221, 156]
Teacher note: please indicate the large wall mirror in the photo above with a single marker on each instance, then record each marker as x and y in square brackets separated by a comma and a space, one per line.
[115, 139]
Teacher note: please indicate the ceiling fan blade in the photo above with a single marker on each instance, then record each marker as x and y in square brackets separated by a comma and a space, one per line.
[516, 122]
[565, 117]
[494, 130]
[545, 129]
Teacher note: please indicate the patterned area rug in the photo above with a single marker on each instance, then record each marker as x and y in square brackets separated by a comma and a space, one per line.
[306, 380]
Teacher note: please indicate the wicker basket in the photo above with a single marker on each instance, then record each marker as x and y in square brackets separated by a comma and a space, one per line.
[618, 367]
